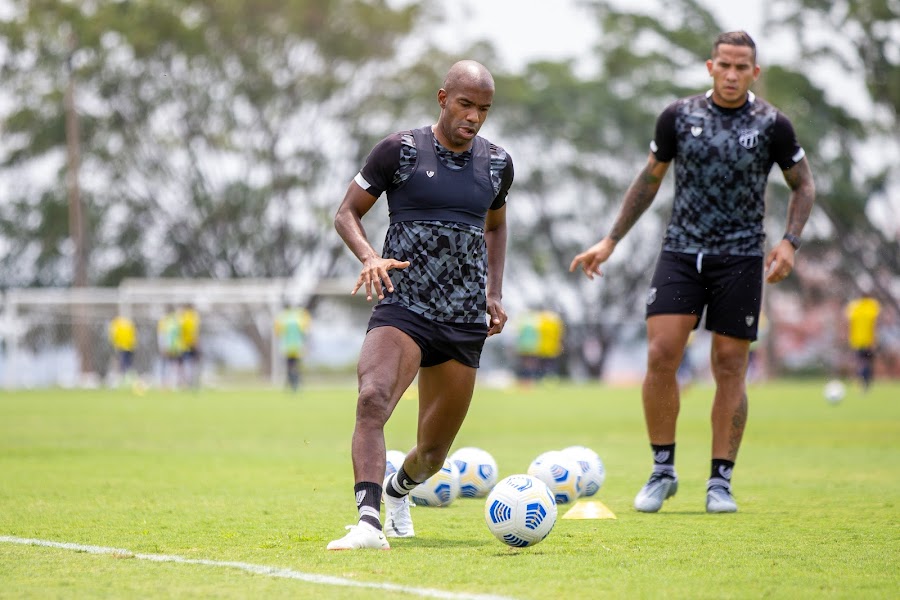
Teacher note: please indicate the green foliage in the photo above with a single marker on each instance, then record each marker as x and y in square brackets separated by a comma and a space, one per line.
[198, 119]
[264, 478]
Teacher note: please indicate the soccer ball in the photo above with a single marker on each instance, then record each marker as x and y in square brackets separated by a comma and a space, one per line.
[834, 391]
[520, 511]
[477, 471]
[393, 461]
[593, 474]
[440, 489]
[561, 474]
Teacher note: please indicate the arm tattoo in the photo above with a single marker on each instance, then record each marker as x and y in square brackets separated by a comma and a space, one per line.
[638, 198]
[803, 195]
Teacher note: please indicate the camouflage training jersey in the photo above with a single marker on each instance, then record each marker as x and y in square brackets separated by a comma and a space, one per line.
[438, 202]
[722, 161]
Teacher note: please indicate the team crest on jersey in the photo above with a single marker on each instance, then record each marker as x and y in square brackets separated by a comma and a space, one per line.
[749, 320]
[651, 296]
[696, 130]
[748, 138]
[429, 173]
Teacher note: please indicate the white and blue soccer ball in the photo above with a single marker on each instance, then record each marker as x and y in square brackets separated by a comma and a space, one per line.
[393, 461]
[477, 471]
[561, 473]
[593, 473]
[834, 391]
[441, 489]
[520, 511]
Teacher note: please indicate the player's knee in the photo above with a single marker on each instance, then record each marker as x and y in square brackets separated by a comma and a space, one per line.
[662, 357]
[373, 405]
[729, 364]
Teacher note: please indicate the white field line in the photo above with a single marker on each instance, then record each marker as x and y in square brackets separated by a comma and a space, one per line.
[255, 569]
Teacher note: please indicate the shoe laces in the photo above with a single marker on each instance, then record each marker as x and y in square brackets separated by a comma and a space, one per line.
[719, 489]
[658, 476]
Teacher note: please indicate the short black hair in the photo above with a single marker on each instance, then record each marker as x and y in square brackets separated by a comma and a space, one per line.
[734, 38]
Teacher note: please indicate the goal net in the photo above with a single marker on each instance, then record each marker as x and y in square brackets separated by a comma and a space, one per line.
[59, 337]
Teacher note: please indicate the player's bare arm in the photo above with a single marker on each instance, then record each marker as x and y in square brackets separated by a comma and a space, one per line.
[348, 223]
[495, 241]
[638, 198]
[780, 261]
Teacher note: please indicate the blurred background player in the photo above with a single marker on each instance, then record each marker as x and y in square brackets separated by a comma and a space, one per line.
[528, 363]
[189, 329]
[291, 328]
[551, 333]
[169, 343]
[123, 338]
[862, 333]
[539, 345]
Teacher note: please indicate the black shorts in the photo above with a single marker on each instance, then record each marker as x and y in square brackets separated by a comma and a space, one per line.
[730, 287]
[438, 341]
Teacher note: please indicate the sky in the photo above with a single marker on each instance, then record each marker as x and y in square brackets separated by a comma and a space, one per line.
[525, 30]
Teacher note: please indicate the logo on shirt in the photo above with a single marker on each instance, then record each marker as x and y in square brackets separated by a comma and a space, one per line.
[651, 296]
[749, 320]
[696, 130]
[748, 138]
[429, 173]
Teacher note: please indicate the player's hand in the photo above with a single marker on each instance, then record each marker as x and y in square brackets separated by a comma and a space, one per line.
[591, 259]
[374, 276]
[496, 315]
[779, 262]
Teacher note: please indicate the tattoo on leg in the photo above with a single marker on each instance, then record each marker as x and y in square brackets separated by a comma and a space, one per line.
[738, 421]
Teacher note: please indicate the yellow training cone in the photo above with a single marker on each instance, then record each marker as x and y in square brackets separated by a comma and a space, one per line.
[589, 509]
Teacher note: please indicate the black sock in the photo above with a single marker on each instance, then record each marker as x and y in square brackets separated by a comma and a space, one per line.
[720, 474]
[664, 458]
[368, 502]
[400, 480]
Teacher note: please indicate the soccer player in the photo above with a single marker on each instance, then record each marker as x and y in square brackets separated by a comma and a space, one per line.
[291, 327]
[437, 280]
[189, 328]
[862, 319]
[169, 343]
[724, 143]
[123, 338]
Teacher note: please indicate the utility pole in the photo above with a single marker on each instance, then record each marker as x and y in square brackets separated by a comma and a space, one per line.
[77, 229]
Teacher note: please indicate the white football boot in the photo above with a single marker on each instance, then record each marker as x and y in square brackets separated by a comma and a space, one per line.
[660, 487]
[397, 522]
[361, 535]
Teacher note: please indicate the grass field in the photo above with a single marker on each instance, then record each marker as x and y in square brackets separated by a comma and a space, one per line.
[263, 479]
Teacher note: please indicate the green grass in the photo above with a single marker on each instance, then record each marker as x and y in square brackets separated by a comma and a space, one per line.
[264, 478]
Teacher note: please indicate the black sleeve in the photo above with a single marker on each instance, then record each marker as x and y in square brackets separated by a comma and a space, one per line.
[786, 150]
[506, 179]
[382, 163]
[665, 142]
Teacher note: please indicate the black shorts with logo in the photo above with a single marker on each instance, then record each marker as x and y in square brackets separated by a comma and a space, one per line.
[729, 287]
[438, 341]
